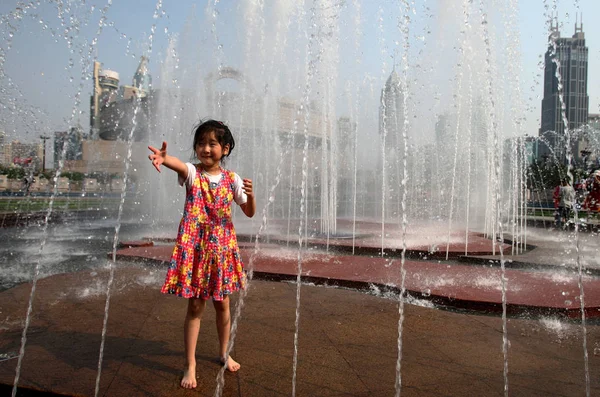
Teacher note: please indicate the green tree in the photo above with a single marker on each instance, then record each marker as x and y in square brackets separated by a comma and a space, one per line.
[48, 174]
[546, 175]
[16, 173]
[77, 176]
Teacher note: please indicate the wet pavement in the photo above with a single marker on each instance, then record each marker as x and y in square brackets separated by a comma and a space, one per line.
[348, 335]
[455, 285]
[347, 344]
[555, 250]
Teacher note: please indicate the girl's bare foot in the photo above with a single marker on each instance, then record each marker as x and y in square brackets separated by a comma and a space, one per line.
[231, 365]
[189, 377]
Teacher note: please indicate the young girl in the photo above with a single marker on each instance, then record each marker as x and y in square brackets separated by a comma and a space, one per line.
[206, 262]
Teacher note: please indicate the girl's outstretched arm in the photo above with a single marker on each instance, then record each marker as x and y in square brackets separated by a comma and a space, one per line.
[159, 156]
[249, 207]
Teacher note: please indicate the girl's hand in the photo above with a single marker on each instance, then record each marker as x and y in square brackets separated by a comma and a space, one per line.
[249, 207]
[247, 187]
[158, 156]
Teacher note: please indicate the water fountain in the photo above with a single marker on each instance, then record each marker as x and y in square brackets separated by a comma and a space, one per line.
[422, 159]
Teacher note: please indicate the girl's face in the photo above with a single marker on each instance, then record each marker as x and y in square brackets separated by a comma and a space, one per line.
[209, 151]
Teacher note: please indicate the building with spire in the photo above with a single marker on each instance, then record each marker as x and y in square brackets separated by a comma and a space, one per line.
[117, 113]
[391, 125]
[566, 57]
[142, 80]
[391, 112]
[115, 120]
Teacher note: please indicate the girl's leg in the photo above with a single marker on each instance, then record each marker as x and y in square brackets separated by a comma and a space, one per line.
[191, 328]
[224, 330]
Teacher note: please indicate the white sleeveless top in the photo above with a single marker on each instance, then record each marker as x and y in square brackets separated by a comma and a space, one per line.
[238, 192]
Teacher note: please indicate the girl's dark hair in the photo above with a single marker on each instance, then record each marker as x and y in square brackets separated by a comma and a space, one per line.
[222, 133]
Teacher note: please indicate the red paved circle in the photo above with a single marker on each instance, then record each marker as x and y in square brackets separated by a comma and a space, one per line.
[475, 287]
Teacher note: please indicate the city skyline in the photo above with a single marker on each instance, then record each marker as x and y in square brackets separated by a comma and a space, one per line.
[122, 41]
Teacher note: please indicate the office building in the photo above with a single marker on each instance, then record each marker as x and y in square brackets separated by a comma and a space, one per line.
[4, 155]
[23, 154]
[391, 112]
[391, 130]
[566, 57]
[68, 145]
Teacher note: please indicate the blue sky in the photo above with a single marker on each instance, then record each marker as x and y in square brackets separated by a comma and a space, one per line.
[47, 69]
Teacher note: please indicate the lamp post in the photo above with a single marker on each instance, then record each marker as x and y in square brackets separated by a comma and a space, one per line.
[44, 138]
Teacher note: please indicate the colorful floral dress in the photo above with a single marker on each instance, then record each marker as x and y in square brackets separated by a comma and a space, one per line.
[206, 261]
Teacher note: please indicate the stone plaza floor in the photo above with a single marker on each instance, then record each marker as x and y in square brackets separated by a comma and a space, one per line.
[451, 342]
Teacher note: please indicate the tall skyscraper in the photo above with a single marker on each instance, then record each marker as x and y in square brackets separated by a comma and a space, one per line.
[391, 125]
[4, 151]
[391, 111]
[67, 145]
[570, 56]
[345, 164]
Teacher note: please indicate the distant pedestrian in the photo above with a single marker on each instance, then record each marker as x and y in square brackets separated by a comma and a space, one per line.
[27, 182]
[206, 261]
[556, 201]
[565, 205]
[592, 200]
[556, 196]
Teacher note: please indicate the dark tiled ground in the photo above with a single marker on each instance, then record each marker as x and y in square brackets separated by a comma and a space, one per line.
[347, 344]
[347, 340]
